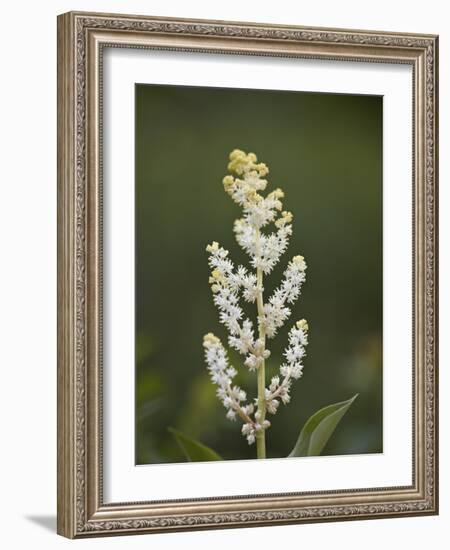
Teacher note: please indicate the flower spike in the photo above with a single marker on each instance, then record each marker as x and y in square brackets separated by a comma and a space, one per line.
[245, 184]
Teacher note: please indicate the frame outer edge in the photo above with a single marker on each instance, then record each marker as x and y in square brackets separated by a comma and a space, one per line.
[435, 219]
[66, 488]
[437, 281]
[77, 433]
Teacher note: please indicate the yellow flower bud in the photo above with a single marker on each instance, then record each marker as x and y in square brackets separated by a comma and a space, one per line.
[228, 182]
[286, 217]
[302, 325]
[209, 339]
[280, 222]
[236, 153]
[300, 262]
[213, 247]
[236, 166]
[262, 169]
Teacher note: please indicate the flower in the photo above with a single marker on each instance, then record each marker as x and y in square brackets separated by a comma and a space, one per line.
[229, 284]
[222, 375]
[291, 370]
[276, 311]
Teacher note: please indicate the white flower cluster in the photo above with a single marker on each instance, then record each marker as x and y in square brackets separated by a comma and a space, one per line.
[226, 285]
[265, 252]
[276, 311]
[233, 397]
[229, 284]
[250, 429]
[291, 370]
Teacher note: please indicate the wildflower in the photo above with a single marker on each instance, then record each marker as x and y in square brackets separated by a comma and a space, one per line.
[292, 369]
[276, 311]
[213, 247]
[222, 375]
[229, 284]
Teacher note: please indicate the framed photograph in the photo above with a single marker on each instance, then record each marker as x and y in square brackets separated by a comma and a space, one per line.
[247, 277]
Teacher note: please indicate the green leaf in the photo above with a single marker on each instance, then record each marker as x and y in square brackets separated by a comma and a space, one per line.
[319, 428]
[192, 449]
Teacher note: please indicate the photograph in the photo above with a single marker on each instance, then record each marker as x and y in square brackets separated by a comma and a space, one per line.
[258, 274]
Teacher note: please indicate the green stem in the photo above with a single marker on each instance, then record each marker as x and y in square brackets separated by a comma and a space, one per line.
[261, 434]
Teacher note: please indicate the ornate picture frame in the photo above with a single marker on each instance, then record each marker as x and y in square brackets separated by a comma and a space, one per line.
[82, 39]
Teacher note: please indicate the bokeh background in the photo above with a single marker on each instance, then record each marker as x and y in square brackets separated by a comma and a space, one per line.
[325, 152]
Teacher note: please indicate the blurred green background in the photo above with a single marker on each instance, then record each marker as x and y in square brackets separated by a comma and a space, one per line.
[325, 152]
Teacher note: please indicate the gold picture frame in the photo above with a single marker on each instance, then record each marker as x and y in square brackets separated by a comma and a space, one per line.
[81, 39]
